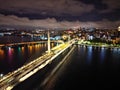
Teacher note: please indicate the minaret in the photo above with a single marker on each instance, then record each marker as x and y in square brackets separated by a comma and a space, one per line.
[48, 41]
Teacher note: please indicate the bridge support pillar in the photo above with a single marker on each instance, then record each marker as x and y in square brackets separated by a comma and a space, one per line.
[49, 42]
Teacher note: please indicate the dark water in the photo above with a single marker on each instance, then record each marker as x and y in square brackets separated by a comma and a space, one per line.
[12, 58]
[87, 68]
[90, 68]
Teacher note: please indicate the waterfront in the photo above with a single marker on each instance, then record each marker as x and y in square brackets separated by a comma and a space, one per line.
[59, 44]
[14, 57]
[90, 68]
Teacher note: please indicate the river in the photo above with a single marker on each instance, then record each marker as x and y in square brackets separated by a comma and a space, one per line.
[90, 68]
[11, 58]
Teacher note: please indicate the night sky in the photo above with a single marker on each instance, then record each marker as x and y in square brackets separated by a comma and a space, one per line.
[61, 13]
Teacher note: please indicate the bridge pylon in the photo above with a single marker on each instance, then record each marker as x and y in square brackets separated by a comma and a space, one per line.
[48, 34]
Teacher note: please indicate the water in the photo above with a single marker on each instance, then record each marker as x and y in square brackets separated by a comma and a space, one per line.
[12, 58]
[90, 68]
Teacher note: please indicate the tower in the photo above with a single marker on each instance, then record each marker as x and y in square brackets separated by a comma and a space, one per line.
[48, 41]
[118, 31]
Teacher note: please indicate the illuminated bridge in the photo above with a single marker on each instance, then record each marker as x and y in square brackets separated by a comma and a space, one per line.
[12, 79]
[33, 42]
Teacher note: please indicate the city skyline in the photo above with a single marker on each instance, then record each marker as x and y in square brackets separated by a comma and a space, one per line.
[60, 14]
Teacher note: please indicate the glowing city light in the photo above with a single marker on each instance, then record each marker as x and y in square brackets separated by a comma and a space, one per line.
[119, 28]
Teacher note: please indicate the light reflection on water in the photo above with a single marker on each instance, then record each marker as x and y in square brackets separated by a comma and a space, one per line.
[10, 55]
[1, 54]
[91, 68]
[116, 56]
[12, 58]
[102, 54]
[89, 54]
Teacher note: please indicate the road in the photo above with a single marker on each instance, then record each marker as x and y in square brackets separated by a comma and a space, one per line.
[32, 42]
[13, 78]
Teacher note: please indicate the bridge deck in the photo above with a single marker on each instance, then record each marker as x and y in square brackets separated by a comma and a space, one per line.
[21, 74]
[23, 43]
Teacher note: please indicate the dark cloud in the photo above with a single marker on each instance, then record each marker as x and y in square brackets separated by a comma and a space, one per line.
[112, 4]
[46, 6]
[53, 23]
[98, 4]
[85, 12]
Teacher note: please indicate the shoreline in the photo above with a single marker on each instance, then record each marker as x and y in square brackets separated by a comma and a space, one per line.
[99, 45]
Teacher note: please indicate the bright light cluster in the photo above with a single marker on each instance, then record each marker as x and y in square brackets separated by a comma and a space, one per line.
[119, 28]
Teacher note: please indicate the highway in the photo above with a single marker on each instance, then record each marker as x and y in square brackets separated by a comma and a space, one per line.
[10, 80]
[32, 42]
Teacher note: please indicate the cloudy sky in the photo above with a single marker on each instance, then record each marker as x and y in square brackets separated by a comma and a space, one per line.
[60, 13]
